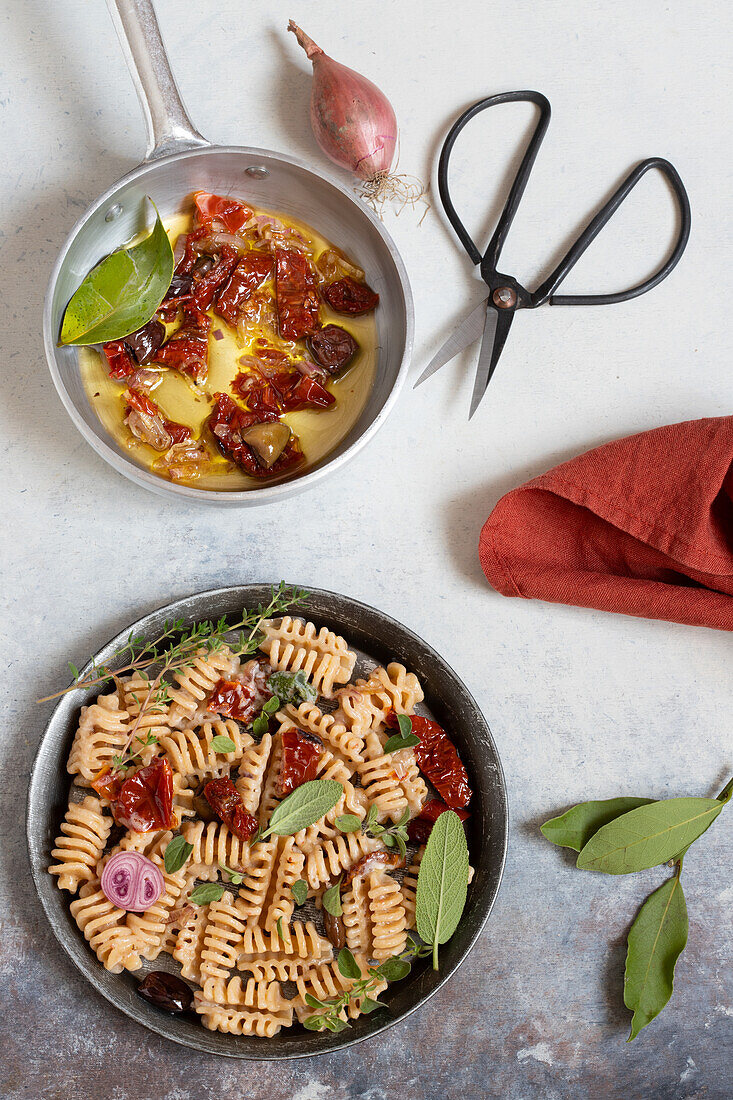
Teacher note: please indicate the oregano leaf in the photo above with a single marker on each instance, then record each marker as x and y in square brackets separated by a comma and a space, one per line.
[396, 742]
[442, 882]
[405, 725]
[206, 892]
[394, 969]
[348, 965]
[176, 854]
[348, 823]
[576, 826]
[656, 940]
[299, 890]
[221, 743]
[332, 900]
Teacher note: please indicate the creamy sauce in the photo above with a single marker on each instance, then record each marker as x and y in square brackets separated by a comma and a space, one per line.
[319, 430]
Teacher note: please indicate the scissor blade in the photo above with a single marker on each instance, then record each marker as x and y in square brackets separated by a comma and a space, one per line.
[467, 330]
[496, 330]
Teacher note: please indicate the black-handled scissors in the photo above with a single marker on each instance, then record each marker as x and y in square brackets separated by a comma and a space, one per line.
[493, 316]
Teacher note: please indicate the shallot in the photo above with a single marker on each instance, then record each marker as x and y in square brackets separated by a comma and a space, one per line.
[355, 125]
[131, 881]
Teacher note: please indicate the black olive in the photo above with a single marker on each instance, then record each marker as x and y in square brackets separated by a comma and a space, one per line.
[166, 991]
[145, 342]
[181, 285]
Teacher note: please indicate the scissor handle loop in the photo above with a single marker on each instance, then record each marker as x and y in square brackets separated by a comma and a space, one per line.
[545, 292]
[491, 256]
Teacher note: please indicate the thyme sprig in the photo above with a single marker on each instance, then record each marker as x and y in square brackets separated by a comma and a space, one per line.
[210, 635]
[329, 1013]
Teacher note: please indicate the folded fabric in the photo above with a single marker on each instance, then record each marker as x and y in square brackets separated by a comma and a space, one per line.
[641, 526]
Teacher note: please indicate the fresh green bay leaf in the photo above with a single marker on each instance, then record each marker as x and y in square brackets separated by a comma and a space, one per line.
[221, 743]
[442, 883]
[656, 940]
[176, 854]
[121, 293]
[647, 836]
[576, 826]
[305, 806]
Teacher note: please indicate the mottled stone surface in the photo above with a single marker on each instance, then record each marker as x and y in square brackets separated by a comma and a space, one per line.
[581, 704]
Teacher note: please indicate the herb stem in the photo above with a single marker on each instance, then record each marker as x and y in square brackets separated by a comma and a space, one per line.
[726, 791]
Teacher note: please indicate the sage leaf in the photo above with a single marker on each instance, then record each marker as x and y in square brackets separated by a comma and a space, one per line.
[442, 883]
[176, 854]
[396, 742]
[305, 806]
[206, 893]
[647, 836]
[348, 965]
[332, 900]
[576, 826]
[220, 743]
[299, 890]
[656, 940]
[348, 823]
[122, 293]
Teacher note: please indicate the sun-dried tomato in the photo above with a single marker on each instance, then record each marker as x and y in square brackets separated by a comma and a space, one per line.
[141, 402]
[267, 354]
[229, 420]
[191, 255]
[438, 760]
[420, 827]
[333, 348]
[234, 699]
[107, 783]
[297, 391]
[371, 860]
[257, 392]
[223, 797]
[348, 296]
[121, 362]
[297, 301]
[229, 212]
[145, 800]
[249, 274]
[300, 755]
[207, 285]
[188, 348]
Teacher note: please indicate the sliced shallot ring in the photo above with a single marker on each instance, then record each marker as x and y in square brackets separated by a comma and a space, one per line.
[131, 881]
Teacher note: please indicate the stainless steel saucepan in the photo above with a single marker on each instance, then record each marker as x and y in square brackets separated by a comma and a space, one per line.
[178, 161]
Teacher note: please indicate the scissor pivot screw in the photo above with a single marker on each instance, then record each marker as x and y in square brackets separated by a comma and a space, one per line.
[504, 297]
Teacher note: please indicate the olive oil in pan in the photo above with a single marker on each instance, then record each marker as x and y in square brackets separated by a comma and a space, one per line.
[319, 430]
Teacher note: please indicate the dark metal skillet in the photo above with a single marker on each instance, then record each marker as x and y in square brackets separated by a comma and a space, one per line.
[494, 315]
[377, 639]
[179, 160]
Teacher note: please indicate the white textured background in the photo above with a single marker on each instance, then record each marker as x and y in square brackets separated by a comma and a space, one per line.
[581, 704]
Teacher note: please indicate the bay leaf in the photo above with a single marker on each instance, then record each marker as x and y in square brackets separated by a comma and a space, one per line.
[121, 293]
[648, 836]
[655, 942]
[576, 826]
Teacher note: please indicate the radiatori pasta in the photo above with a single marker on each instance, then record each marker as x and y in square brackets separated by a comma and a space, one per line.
[262, 923]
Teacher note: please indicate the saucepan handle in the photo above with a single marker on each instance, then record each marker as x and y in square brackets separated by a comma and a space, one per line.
[170, 130]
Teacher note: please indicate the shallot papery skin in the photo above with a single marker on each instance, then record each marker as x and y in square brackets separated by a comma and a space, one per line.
[131, 881]
[353, 121]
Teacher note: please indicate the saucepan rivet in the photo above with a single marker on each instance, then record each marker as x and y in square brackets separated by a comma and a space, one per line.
[113, 212]
[257, 172]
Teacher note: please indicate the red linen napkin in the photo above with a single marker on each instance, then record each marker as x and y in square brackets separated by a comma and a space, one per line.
[642, 526]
